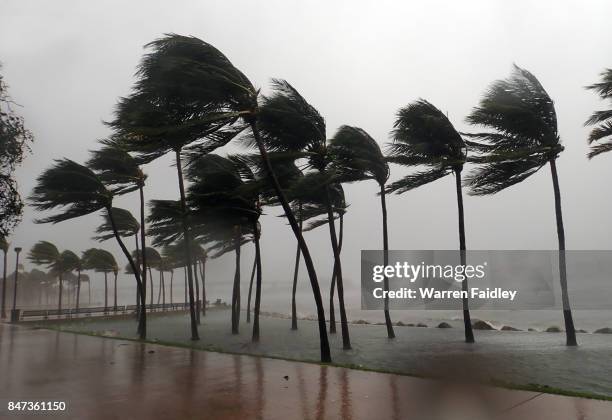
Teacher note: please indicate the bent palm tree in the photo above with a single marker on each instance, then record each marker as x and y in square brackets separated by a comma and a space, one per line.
[119, 169]
[215, 98]
[78, 191]
[602, 133]
[60, 263]
[523, 138]
[423, 136]
[358, 157]
[104, 262]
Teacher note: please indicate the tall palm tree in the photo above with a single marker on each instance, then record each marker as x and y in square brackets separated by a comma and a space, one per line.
[357, 157]
[118, 169]
[289, 124]
[60, 263]
[4, 246]
[215, 103]
[104, 262]
[523, 137]
[423, 136]
[77, 191]
[602, 133]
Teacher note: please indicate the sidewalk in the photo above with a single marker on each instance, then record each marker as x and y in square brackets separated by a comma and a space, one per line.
[101, 378]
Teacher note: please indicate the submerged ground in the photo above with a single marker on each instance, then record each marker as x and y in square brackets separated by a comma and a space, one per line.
[520, 358]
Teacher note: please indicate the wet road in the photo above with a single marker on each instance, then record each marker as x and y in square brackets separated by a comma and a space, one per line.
[101, 378]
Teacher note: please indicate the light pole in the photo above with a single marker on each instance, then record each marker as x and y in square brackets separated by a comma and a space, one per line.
[14, 311]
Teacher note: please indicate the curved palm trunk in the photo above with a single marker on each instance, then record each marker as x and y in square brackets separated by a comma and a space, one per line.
[296, 269]
[332, 287]
[570, 331]
[105, 293]
[255, 337]
[142, 290]
[314, 282]
[3, 308]
[467, 322]
[187, 237]
[61, 287]
[115, 293]
[346, 340]
[78, 291]
[197, 290]
[142, 322]
[236, 288]
[383, 205]
[248, 318]
[203, 277]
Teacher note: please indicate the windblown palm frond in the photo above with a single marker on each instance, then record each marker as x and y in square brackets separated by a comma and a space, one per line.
[4, 245]
[126, 223]
[99, 260]
[116, 167]
[73, 188]
[602, 119]
[523, 136]
[45, 253]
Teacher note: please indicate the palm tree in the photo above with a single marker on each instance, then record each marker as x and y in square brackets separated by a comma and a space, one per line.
[127, 226]
[423, 136]
[104, 262]
[602, 133]
[289, 124]
[523, 137]
[118, 169]
[357, 157]
[60, 263]
[215, 103]
[77, 191]
[4, 246]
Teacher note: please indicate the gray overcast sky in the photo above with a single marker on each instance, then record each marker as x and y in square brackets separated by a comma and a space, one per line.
[67, 62]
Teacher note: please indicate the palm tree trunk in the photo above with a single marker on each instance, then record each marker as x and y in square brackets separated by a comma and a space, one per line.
[105, 293]
[159, 289]
[61, 286]
[248, 318]
[383, 205]
[3, 308]
[115, 294]
[296, 269]
[185, 285]
[236, 288]
[570, 331]
[142, 291]
[171, 286]
[151, 285]
[467, 322]
[78, 292]
[346, 340]
[138, 264]
[197, 289]
[88, 292]
[187, 237]
[203, 277]
[314, 282]
[255, 337]
[142, 323]
[163, 285]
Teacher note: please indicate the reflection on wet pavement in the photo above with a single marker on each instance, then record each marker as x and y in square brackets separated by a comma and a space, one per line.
[107, 379]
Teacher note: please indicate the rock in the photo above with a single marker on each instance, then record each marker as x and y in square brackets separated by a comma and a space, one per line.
[444, 325]
[482, 325]
[606, 330]
[421, 325]
[553, 329]
[509, 328]
[400, 324]
[582, 331]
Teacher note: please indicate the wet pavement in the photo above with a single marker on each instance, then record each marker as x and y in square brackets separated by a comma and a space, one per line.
[102, 378]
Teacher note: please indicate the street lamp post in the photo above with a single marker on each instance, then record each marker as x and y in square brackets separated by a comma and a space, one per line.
[14, 311]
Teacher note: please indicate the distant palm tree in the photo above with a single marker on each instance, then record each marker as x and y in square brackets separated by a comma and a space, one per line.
[423, 136]
[78, 191]
[4, 246]
[357, 157]
[217, 103]
[289, 124]
[60, 263]
[104, 262]
[523, 138]
[602, 134]
[119, 170]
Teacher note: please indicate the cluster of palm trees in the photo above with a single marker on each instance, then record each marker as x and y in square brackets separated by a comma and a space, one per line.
[190, 100]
